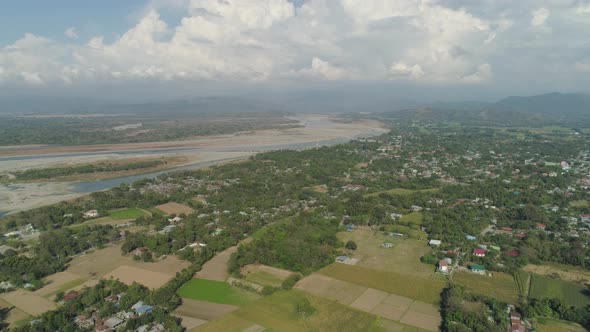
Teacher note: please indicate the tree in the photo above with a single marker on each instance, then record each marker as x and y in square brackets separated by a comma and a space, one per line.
[350, 245]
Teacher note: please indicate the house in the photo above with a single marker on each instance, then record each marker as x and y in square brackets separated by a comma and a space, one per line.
[139, 251]
[513, 253]
[585, 218]
[175, 220]
[113, 322]
[477, 269]
[70, 296]
[470, 237]
[342, 259]
[416, 208]
[494, 247]
[350, 228]
[387, 245]
[91, 214]
[479, 252]
[396, 234]
[541, 226]
[395, 216]
[434, 242]
[144, 309]
[443, 266]
[84, 322]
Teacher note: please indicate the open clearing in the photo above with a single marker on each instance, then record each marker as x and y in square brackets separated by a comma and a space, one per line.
[203, 310]
[190, 323]
[28, 302]
[174, 208]
[129, 274]
[87, 269]
[15, 315]
[377, 302]
[403, 258]
[265, 275]
[215, 291]
[59, 282]
[500, 286]
[564, 272]
[278, 313]
[568, 292]
[132, 213]
[216, 267]
[554, 325]
[421, 289]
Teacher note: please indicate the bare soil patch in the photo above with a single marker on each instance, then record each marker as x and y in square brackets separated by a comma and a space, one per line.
[128, 275]
[203, 310]
[174, 208]
[369, 300]
[216, 267]
[55, 282]
[389, 311]
[28, 302]
[283, 274]
[421, 320]
[190, 323]
[14, 315]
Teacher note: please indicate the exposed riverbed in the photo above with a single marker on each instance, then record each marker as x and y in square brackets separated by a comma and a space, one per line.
[204, 152]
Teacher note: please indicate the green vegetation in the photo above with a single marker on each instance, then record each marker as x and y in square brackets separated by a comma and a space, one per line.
[462, 310]
[53, 172]
[569, 293]
[500, 286]
[414, 218]
[131, 213]
[278, 312]
[264, 278]
[215, 291]
[67, 286]
[303, 245]
[403, 192]
[555, 325]
[421, 289]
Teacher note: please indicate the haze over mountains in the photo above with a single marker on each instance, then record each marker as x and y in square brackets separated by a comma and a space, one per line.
[562, 106]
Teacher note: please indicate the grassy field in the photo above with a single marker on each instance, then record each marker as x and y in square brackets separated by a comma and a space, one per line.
[412, 218]
[570, 293]
[215, 291]
[67, 286]
[264, 278]
[278, 313]
[412, 232]
[15, 316]
[564, 272]
[422, 289]
[554, 325]
[579, 204]
[403, 192]
[403, 258]
[500, 286]
[132, 213]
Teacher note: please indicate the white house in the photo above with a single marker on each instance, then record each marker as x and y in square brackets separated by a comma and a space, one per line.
[434, 242]
[443, 266]
[91, 214]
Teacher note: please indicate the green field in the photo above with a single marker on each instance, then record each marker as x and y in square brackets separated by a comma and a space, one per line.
[554, 325]
[500, 286]
[278, 313]
[579, 204]
[215, 291]
[403, 192]
[66, 287]
[569, 292]
[403, 258]
[131, 213]
[422, 289]
[412, 218]
[264, 278]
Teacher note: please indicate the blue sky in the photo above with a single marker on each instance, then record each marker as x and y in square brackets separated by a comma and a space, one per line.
[495, 47]
[51, 18]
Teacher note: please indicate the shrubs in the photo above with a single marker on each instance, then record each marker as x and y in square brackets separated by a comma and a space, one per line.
[350, 245]
[290, 281]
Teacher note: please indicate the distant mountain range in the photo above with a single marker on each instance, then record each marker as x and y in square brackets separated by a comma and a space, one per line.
[546, 108]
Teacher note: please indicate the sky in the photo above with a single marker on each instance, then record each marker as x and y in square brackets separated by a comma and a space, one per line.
[446, 49]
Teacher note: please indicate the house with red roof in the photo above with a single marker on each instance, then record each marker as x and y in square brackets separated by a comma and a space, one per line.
[479, 252]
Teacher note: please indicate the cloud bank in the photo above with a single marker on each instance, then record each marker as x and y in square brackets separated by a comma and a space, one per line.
[422, 41]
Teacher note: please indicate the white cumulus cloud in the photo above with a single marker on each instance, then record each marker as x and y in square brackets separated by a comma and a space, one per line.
[71, 33]
[539, 16]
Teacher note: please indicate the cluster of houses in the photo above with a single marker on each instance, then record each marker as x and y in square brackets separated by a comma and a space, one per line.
[116, 321]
